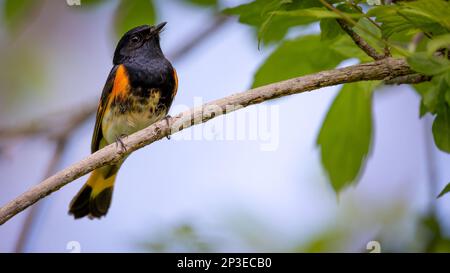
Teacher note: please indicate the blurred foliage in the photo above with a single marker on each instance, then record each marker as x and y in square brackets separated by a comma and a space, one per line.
[134, 13]
[204, 3]
[330, 29]
[436, 240]
[15, 12]
[90, 3]
[395, 26]
[352, 227]
[22, 76]
[182, 237]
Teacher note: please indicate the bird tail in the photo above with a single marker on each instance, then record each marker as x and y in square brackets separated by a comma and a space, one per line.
[94, 198]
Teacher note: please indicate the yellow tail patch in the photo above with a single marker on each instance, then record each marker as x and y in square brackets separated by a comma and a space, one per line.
[94, 198]
[98, 183]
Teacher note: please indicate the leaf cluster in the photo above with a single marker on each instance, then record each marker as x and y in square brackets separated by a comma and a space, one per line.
[417, 30]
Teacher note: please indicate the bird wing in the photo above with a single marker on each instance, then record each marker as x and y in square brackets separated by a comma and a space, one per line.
[102, 105]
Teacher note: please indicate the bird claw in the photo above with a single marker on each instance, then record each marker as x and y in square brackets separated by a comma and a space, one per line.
[120, 142]
[166, 118]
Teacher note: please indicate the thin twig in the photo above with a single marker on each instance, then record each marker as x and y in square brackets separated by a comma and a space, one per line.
[358, 9]
[50, 125]
[359, 41]
[387, 51]
[379, 70]
[346, 24]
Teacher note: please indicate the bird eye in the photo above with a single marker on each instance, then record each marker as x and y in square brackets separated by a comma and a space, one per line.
[135, 39]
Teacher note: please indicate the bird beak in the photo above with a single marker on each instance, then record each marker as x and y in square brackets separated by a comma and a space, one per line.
[159, 27]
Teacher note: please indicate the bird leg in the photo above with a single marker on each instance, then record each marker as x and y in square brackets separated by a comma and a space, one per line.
[166, 118]
[120, 142]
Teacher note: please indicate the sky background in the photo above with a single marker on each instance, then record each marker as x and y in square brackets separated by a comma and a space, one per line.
[210, 194]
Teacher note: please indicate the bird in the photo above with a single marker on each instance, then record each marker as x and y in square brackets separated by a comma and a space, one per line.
[138, 92]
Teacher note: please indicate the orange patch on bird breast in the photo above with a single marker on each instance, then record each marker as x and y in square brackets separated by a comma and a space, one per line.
[121, 82]
[175, 78]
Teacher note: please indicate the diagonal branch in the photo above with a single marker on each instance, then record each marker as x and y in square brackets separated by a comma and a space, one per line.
[387, 68]
[346, 24]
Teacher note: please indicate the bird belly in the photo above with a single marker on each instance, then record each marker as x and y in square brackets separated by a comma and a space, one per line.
[131, 115]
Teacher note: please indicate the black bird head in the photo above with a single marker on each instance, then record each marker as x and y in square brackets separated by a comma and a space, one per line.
[139, 42]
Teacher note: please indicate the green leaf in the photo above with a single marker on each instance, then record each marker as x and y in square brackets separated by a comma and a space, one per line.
[370, 33]
[430, 16]
[315, 13]
[253, 13]
[435, 94]
[391, 22]
[438, 42]
[346, 134]
[293, 58]
[90, 3]
[330, 29]
[444, 190]
[130, 14]
[428, 65]
[283, 19]
[202, 2]
[430, 97]
[256, 13]
[428, 10]
[447, 95]
[15, 12]
[272, 28]
[275, 28]
[447, 78]
[345, 46]
[441, 129]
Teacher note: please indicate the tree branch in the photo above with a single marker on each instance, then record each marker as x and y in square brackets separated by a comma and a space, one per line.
[51, 125]
[387, 68]
[409, 79]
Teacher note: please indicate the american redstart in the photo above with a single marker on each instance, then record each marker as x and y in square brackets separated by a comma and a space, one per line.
[138, 92]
